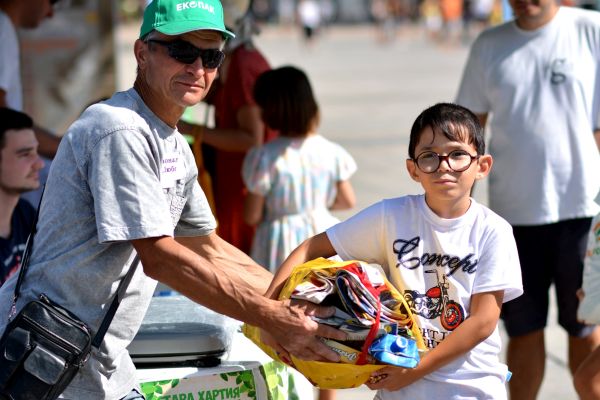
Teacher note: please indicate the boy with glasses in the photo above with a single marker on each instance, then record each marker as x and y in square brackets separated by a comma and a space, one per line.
[441, 239]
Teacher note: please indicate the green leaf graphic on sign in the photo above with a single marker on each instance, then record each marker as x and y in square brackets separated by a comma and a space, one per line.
[244, 380]
[155, 390]
[280, 383]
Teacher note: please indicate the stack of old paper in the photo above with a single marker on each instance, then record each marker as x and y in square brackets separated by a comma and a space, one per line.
[359, 294]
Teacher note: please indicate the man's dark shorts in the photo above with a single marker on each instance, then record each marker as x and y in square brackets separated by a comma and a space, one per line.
[549, 254]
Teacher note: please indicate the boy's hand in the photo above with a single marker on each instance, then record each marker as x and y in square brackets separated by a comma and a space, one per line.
[294, 332]
[392, 378]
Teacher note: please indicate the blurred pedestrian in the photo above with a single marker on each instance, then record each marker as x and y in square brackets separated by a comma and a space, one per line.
[537, 76]
[382, 12]
[19, 14]
[309, 16]
[19, 173]
[238, 125]
[432, 18]
[286, 12]
[452, 16]
[295, 180]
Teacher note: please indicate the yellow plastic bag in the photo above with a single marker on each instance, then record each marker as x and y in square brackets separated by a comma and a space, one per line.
[328, 375]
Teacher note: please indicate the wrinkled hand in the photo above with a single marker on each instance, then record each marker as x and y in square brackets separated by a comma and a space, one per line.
[294, 332]
[392, 378]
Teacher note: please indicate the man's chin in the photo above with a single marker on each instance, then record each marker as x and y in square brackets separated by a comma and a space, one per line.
[17, 191]
[190, 99]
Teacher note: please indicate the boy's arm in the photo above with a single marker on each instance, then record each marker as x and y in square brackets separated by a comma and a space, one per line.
[314, 247]
[485, 312]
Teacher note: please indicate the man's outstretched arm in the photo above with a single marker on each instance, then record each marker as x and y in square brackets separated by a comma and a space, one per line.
[208, 271]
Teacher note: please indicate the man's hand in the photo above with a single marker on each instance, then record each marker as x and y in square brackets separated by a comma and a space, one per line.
[294, 332]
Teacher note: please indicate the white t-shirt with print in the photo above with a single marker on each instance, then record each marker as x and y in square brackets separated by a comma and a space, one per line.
[542, 89]
[430, 259]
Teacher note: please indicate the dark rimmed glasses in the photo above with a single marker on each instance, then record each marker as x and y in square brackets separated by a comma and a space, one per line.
[187, 53]
[458, 161]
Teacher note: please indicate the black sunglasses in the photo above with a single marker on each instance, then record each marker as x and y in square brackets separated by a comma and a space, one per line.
[187, 53]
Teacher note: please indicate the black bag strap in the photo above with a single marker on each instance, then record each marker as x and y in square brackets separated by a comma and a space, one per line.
[112, 310]
[27, 251]
[99, 336]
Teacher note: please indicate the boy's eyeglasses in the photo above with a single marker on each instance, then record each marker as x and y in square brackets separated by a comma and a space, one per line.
[187, 53]
[458, 161]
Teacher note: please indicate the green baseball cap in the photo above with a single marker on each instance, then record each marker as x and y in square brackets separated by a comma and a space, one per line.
[175, 17]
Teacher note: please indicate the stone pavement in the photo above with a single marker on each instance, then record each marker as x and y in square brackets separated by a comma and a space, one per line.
[369, 94]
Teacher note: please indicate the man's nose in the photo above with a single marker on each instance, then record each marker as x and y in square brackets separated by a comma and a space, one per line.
[196, 68]
[39, 163]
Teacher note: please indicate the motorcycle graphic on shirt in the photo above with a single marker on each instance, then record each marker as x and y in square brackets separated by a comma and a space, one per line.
[435, 302]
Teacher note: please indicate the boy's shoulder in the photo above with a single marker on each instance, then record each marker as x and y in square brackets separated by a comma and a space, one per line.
[488, 213]
[490, 219]
[409, 200]
[407, 206]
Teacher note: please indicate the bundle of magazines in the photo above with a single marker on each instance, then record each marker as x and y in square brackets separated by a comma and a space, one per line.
[375, 320]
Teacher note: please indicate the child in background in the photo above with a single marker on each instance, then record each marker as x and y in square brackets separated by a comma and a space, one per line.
[587, 376]
[295, 180]
[455, 260]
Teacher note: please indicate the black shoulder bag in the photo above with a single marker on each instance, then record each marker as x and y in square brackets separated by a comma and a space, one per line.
[45, 345]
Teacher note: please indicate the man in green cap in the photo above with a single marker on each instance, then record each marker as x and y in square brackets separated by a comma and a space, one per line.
[124, 179]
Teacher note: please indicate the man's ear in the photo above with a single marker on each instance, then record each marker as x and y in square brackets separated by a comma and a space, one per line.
[484, 166]
[412, 170]
[140, 50]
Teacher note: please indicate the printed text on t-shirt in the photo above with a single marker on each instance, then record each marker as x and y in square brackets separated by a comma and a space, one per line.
[404, 249]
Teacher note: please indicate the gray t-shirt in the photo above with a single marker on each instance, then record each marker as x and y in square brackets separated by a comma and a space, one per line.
[120, 174]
